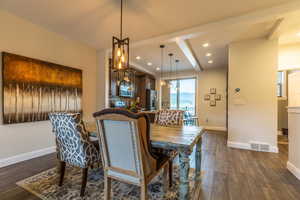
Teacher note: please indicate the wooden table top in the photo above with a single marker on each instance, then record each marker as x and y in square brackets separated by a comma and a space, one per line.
[175, 137]
[169, 137]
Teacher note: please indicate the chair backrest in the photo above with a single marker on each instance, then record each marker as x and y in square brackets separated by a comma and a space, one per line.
[169, 117]
[125, 144]
[70, 137]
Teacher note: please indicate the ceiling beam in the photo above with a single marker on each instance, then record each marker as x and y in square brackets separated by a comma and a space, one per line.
[274, 32]
[250, 19]
[189, 53]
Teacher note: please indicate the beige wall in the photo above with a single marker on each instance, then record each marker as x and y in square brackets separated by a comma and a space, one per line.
[212, 117]
[253, 111]
[289, 56]
[24, 38]
[102, 85]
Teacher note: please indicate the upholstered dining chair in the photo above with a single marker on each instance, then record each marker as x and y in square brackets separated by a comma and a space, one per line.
[169, 117]
[126, 150]
[73, 145]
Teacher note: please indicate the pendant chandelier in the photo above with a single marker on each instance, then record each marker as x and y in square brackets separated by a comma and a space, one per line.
[176, 69]
[120, 49]
[162, 82]
[170, 73]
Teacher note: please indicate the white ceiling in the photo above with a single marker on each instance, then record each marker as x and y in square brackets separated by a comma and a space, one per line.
[219, 41]
[152, 53]
[94, 21]
[218, 47]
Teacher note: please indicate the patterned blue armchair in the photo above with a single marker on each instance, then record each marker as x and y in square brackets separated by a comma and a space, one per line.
[73, 145]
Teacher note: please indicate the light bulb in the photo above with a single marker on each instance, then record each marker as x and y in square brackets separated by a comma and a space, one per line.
[120, 65]
[119, 52]
[123, 58]
[162, 83]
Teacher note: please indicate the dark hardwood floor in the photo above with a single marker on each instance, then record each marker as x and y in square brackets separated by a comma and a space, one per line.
[229, 174]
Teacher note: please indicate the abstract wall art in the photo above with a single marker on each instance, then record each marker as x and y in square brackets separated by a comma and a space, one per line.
[33, 88]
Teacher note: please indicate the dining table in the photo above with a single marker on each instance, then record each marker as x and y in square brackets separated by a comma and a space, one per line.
[184, 140]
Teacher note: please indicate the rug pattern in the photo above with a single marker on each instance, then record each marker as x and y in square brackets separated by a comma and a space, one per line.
[44, 185]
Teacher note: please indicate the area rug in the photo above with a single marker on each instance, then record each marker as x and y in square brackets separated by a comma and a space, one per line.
[44, 185]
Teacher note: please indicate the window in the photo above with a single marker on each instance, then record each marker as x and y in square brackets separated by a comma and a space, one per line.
[281, 84]
[183, 95]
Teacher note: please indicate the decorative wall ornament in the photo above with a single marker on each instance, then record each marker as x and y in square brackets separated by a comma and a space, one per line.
[213, 90]
[212, 97]
[217, 97]
[212, 103]
[207, 97]
[33, 88]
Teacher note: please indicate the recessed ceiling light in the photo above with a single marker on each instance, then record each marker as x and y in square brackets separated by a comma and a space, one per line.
[205, 44]
[157, 68]
[208, 54]
[138, 57]
[210, 61]
[298, 34]
[149, 64]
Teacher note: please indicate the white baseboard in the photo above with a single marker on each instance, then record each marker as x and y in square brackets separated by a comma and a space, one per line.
[238, 145]
[274, 149]
[214, 128]
[293, 169]
[247, 146]
[26, 156]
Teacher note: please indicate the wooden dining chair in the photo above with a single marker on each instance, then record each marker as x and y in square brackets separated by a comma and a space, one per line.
[73, 145]
[126, 150]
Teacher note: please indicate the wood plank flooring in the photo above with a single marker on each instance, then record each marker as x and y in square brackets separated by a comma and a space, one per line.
[229, 174]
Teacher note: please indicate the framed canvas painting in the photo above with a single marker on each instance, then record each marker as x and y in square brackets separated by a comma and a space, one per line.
[31, 89]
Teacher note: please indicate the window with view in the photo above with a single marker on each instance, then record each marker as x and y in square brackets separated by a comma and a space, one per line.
[183, 95]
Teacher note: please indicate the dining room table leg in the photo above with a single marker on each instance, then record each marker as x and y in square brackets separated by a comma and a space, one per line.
[198, 160]
[184, 165]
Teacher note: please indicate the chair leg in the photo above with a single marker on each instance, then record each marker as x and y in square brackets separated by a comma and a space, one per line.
[62, 172]
[84, 180]
[144, 192]
[170, 173]
[107, 188]
[166, 179]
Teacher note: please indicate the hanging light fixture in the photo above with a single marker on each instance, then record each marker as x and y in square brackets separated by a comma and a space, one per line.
[176, 69]
[170, 73]
[120, 49]
[162, 82]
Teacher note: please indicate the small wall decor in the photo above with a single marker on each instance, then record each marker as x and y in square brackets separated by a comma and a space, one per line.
[212, 103]
[217, 97]
[213, 90]
[207, 97]
[213, 97]
[33, 88]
